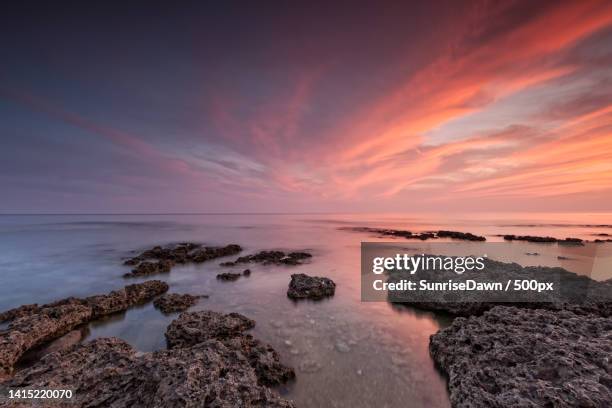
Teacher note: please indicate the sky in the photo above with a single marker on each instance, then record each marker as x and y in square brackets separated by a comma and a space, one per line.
[305, 106]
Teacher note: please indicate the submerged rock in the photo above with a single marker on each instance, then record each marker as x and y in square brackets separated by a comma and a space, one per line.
[272, 258]
[310, 287]
[174, 302]
[526, 357]
[48, 322]
[109, 372]
[194, 328]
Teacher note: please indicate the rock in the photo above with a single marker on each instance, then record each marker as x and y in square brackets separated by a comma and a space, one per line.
[531, 238]
[228, 276]
[526, 357]
[194, 328]
[574, 292]
[532, 253]
[342, 347]
[109, 372]
[310, 287]
[50, 321]
[150, 268]
[181, 253]
[271, 258]
[27, 332]
[174, 302]
[24, 310]
[421, 235]
[246, 272]
[466, 236]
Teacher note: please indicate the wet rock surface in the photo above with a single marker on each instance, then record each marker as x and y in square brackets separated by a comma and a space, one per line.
[193, 328]
[37, 325]
[526, 357]
[272, 258]
[310, 287]
[465, 236]
[109, 372]
[175, 302]
[161, 259]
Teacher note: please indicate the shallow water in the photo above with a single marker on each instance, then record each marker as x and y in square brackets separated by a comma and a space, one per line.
[347, 353]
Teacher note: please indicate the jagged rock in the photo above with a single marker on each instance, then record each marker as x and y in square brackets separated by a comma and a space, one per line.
[271, 258]
[512, 357]
[109, 372]
[27, 332]
[181, 253]
[194, 328]
[466, 236]
[209, 253]
[24, 310]
[310, 287]
[421, 235]
[228, 276]
[53, 320]
[174, 302]
[150, 268]
[531, 238]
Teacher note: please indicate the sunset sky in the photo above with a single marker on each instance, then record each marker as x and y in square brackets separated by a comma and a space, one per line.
[277, 107]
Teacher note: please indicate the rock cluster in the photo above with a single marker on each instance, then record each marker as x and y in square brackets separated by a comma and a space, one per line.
[35, 325]
[272, 258]
[310, 287]
[109, 372]
[194, 328]
[466, 236]
[526, 357]
[175, 302]
[161, 259]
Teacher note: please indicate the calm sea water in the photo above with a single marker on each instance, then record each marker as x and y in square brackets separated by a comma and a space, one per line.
[347, 353]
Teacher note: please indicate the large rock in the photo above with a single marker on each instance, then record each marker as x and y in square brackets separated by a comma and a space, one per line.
[512, 357]
[310, 287]
[194, 328]
[175, 302]
[109, 372]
